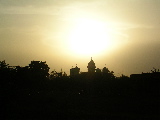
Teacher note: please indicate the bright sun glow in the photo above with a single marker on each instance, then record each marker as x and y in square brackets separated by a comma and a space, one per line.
[90, 37]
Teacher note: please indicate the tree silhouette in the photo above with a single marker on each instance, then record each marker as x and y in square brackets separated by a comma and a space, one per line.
[28, 92]
[39, 69]
[3, 65]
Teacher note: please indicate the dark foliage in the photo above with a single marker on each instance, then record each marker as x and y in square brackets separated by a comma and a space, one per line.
[29, 94]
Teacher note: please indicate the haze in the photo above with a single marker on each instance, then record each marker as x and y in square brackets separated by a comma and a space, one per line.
[55, 31]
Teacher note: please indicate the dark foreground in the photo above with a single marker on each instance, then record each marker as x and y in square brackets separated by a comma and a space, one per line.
[67, 99]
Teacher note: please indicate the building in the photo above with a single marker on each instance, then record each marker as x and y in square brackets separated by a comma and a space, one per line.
[74, 71]
[146, 76]
[91, 66]
[92, 72]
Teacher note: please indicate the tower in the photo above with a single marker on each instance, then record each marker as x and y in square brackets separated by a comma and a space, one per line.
[91, 66]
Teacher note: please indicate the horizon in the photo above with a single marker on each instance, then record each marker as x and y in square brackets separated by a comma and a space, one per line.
[80, 72]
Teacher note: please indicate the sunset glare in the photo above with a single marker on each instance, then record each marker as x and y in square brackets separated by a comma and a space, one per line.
[123, 34]
[90, 37]
[80, 59]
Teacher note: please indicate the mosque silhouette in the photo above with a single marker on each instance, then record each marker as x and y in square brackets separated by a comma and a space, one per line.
[92, 71]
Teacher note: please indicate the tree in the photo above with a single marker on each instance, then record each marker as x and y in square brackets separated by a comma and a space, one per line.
[39, 69]
[53, 75]
[3, 65]
[107, 74]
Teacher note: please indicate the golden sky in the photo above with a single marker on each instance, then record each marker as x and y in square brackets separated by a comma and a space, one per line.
[123, 34]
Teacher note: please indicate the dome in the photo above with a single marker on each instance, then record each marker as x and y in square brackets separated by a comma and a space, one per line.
[91, 66]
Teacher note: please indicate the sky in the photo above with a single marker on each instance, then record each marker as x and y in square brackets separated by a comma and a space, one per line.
[122, 35]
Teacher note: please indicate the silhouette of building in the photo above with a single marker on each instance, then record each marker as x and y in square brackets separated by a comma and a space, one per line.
[98, 70]
[146, 76]
[92, 72]
[105, 70]
[74, 71]
[91, 66]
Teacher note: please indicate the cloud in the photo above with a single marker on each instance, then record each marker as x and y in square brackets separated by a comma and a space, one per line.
[9, 3]
[40, 3]
[40, 6]
[127, 10]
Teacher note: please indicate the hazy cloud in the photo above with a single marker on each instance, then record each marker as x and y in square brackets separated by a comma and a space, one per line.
[29, 26]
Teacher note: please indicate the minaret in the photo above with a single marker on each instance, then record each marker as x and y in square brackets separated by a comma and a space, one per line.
[91, 66]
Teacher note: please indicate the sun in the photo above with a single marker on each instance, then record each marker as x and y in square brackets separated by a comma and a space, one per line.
[90, 37]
